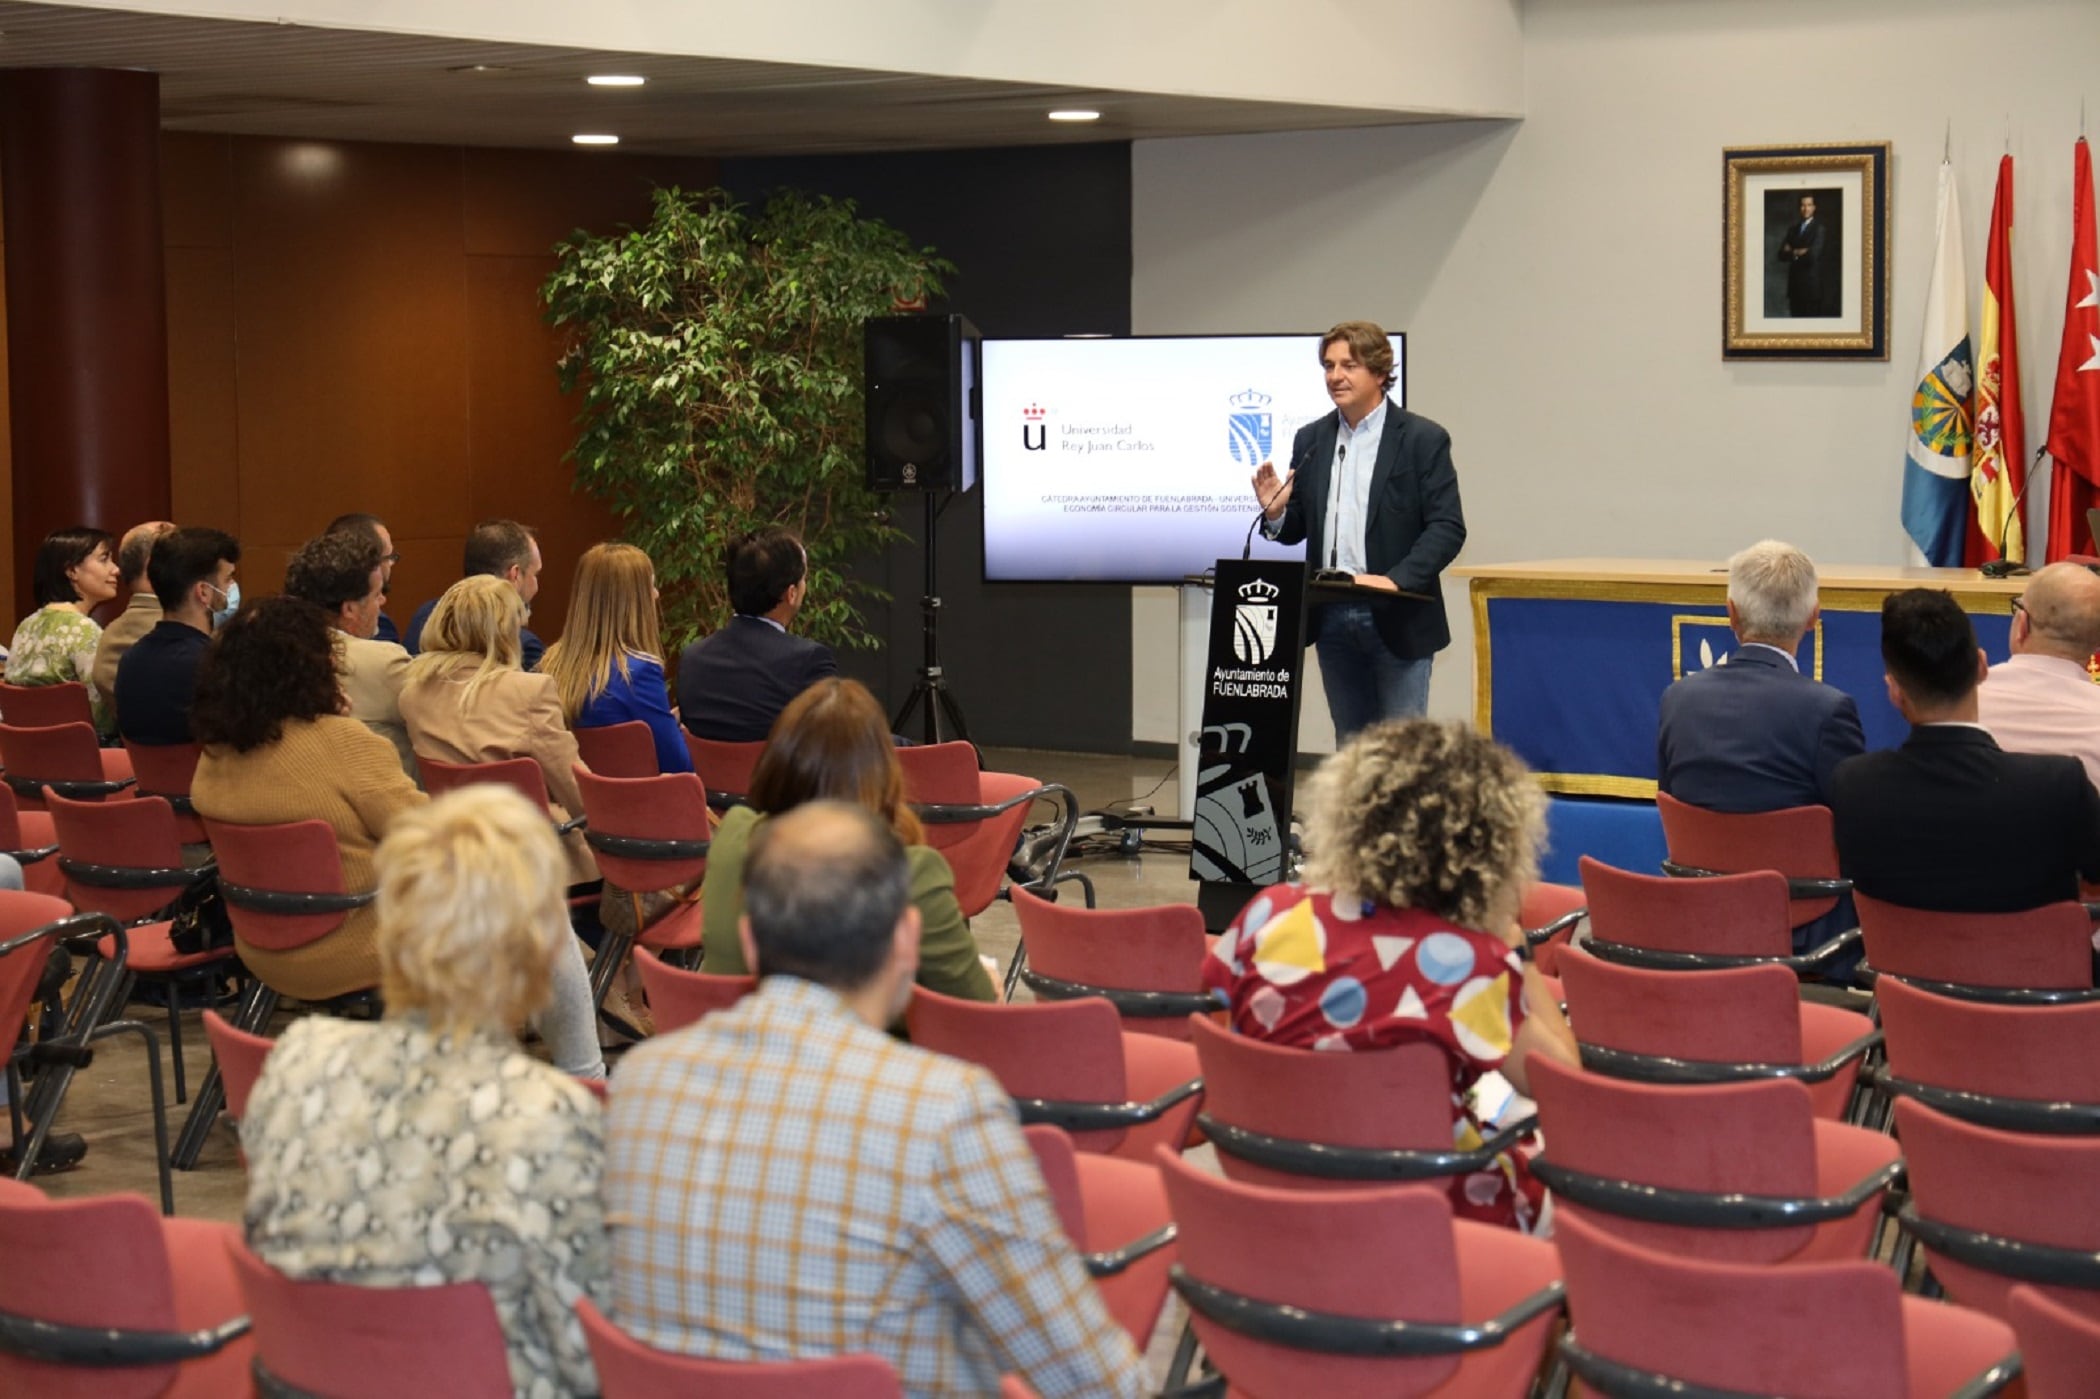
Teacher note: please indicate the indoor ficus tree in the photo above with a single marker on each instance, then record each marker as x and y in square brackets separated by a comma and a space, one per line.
[718, 350]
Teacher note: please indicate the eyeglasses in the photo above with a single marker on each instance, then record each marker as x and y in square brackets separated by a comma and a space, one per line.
[2018, 606]
[391, 559]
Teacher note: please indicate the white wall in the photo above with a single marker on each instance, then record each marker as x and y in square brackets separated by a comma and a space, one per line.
[1559, 278]
[1461, 56]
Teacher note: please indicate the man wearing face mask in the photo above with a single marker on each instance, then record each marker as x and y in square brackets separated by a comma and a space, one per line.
[344, 574]
[191, 573]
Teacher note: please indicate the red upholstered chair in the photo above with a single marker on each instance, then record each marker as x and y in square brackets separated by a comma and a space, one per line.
[1146, 962]
[29, 925]
[128, 1305]
[30, 838]
[2017, 1068]
[283, 886]
[45, 706]
[1645, 1318]
[1719, 1026]
[1992, 1209]
[1548, 916]
[350, 1342]
[2040, 957]
[618, 750]
[125, 859]
[1730, 920]
[1070, 1064]
[650, 835]
[678, 998]
[64, 758]
[1294, 1294]
[521, 775]
[240, 1057]
[1300, 1119]
[2059, 1347]
[627, 1369]
[1733, 1172]
[725, 768]
[1798, 842]
[1115, 1214]
[166, 770]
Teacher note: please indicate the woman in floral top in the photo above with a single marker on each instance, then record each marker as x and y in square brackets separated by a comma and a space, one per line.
[1421, 838]
[76, 572]
[427, 1148]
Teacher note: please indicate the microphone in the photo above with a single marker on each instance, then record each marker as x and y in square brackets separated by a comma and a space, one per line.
[1334, 538]
[1262, 512]
[2002, 567]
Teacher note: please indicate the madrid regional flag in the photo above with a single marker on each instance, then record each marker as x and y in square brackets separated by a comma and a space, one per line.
[1936, 469]
[2074, 414]
[1999, 475]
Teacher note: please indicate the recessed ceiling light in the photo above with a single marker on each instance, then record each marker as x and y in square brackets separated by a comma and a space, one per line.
[587, 138]
[1075, 114]
[481, 70]
[615, 80]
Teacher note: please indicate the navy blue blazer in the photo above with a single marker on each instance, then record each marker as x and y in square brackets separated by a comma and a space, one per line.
[1754, 735]
[1415, 524]
[1952, 822]
[733, 685]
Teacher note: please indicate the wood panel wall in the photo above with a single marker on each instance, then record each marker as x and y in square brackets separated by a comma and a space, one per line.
[357, 326]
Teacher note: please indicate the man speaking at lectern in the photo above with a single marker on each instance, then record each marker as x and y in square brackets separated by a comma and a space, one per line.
[1372, 493]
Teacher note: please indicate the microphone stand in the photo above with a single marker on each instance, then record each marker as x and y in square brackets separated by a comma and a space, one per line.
[2002, 567]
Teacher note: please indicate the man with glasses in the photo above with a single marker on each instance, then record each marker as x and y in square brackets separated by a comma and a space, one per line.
[374, 529]
[2041, 699]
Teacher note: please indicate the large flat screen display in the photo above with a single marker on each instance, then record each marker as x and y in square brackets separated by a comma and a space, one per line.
[1128, 460]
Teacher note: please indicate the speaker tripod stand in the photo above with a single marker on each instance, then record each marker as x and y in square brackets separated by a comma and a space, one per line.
[931, 695]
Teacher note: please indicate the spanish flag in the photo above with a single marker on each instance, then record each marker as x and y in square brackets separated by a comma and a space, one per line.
[1998, 473]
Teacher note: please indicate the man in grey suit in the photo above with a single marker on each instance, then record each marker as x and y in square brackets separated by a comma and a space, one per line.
[1371, 492]
[1755, 734]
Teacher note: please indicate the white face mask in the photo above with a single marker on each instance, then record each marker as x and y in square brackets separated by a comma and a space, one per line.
[220, 616]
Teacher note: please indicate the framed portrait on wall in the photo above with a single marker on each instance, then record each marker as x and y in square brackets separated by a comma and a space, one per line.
[1805, 252]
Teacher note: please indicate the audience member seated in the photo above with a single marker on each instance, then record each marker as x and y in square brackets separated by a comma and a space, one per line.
[833, 742]
[75, 573]
[191, 572]
[278, 747]
[141, 610]
[609, 664]
[1420, 839]
[2040, 699]
[466, 701]
[1950, 821]
[733, 685]
[1756, 734]
[374, 529]
[497, 549]
[790, 1182]
[426, 1148]
[344, 575]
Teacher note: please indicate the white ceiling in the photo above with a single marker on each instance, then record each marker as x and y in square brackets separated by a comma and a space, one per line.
[293, 80]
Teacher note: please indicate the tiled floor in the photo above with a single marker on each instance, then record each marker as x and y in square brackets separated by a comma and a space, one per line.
[108, 1100]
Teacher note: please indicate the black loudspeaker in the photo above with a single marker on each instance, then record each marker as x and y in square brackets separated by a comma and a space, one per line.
[920, 380]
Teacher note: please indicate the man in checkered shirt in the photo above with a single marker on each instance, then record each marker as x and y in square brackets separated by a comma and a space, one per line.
[785, 1181]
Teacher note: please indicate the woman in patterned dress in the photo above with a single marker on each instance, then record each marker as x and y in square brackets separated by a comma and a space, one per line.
[1421, 837]
[76, 572]
[428, 1148]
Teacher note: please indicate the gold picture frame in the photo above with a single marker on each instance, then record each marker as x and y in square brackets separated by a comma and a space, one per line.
[1805, 252]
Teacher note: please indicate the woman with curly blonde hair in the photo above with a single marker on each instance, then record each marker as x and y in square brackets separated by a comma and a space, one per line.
[1420, 841]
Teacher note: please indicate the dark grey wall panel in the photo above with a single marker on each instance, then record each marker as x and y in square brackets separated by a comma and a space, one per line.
[1041, 241]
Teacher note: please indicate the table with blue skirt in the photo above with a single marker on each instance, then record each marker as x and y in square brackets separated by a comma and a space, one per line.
[1571, 657]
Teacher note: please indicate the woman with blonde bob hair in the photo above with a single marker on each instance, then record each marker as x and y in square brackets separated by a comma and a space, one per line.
[833, 742]
[427, 1147]
[608, 665]
[1421, 839]
[465, 699]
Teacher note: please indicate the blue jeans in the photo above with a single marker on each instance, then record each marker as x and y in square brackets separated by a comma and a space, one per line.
[1364, 681]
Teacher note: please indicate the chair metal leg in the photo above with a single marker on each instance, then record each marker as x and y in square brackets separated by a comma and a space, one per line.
[160, 1103]
[251, 1015]
[1184, 1359]
[1014, 970]
[175, 989]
